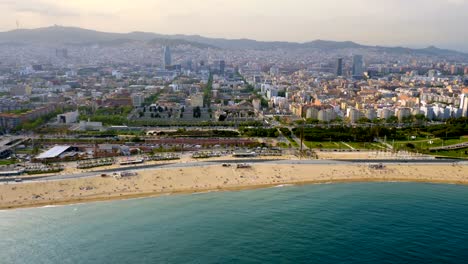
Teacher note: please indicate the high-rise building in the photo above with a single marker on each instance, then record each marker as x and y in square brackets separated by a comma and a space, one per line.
[453, 69]
[403, 113]
[222, 66]
[464, 105]
[167, 57]
[339, 67]
[358, 70]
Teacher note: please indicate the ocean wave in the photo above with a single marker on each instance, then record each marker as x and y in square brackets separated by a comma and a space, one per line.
[283, 185]
[204, 192]
[50, 206]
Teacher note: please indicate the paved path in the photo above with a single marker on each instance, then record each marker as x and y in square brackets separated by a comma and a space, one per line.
[346, 144]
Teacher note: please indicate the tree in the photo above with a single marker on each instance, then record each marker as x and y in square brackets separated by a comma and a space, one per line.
[197, 112]
[392, 120]
[363, 120]
[207, 92]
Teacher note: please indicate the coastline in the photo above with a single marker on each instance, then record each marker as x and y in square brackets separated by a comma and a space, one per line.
[190, 180]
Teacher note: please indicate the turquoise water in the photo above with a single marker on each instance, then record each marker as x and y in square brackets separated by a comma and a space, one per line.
[335, 223]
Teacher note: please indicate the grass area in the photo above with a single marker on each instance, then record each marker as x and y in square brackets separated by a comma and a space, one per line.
[25, 151]
[366, 145]
[8, 161]
[325, 145]
[426, 143]
[18, 112]
[293, 142]
[341, 145]
[423, 146]
[459, 153]
[283, 145]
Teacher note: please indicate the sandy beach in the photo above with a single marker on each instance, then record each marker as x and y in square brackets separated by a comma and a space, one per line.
[155, 182]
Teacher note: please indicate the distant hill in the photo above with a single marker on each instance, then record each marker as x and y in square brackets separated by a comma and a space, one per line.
[78, 36]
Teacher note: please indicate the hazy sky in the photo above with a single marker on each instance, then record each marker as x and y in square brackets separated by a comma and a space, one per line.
[384, 22]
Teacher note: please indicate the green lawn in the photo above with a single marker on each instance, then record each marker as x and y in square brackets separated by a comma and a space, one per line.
[24, 151]
[340, 145]
[366, 145]
[459, 153]
[293, 142]
[426, 143]
[325, 145]
[283, 145]
[8, 162]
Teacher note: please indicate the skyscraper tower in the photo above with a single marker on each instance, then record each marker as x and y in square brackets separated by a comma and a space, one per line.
[167, 58]
[339, 67]
[357, 66]
[464, 104]
[222, 66]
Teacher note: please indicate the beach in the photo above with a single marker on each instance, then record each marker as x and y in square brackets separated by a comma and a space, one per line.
[153, 182]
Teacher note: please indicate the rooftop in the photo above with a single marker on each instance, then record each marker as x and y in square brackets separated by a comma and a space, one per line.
[53, 152]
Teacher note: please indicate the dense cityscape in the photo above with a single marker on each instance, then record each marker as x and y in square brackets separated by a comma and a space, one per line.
[179, 94]
[301, 131]
[106, 104]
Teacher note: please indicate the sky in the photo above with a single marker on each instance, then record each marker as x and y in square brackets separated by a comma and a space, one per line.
[413, 23]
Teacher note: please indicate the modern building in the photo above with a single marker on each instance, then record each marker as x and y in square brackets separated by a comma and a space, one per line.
[428, 112]
[326, 115]
[464, 104]
[371, 114]
[402, 113]
[358, 69]
[167, 57]
[312, 113]
[89, 126]
[339, 67]
[354, 115]
[68, 118]
[138, 99]
[272, 92]
[57, 152]
[385, 113]
[222, 67]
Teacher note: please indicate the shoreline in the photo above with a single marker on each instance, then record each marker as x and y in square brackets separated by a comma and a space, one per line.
[234, 189]
[192, 180]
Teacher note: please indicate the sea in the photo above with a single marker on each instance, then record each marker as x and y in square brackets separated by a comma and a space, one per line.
[326, 223]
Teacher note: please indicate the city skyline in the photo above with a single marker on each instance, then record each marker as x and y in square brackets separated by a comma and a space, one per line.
[415, 24]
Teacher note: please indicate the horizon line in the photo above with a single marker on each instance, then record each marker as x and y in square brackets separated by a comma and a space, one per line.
[408, 46]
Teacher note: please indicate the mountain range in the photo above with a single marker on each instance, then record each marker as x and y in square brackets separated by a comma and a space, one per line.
[59, 35]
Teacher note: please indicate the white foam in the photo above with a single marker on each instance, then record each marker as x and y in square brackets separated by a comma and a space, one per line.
[283, 185]
[50, 206]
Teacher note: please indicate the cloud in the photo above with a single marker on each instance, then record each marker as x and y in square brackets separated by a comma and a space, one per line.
[38, 7]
